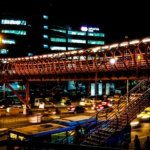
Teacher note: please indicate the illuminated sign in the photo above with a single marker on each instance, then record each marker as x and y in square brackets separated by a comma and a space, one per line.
[90, 29]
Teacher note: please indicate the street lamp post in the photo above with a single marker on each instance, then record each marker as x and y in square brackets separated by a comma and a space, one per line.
[127, 91]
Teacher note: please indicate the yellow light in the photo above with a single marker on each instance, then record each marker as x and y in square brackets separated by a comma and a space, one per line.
[1, 39]
[138, 57]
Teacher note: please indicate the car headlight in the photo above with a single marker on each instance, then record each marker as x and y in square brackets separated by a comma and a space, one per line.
[134, 123]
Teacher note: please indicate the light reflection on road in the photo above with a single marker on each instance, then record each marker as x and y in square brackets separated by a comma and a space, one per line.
[143, 131]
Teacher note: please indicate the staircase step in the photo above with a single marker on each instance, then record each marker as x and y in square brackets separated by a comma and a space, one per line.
[101, 135]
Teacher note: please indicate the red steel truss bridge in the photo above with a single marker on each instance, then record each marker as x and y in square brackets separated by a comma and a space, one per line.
[119, 61]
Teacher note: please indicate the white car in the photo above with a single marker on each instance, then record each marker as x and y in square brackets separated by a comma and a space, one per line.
[86, 102]
[135, 123]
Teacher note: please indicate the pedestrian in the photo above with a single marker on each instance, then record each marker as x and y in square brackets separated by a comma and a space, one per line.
[137, 144]
[147, 143]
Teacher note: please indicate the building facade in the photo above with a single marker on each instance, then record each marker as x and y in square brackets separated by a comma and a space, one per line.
[66, 38]
[13, 34]
[26, 35]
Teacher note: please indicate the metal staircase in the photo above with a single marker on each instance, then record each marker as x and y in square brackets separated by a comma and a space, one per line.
[104, 132]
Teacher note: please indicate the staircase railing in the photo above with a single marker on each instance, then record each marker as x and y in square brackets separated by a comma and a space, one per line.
[121, 117]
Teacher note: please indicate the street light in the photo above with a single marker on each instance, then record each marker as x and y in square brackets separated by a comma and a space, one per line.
[113, 60]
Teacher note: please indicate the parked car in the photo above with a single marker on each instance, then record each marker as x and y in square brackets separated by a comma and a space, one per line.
[76, 109]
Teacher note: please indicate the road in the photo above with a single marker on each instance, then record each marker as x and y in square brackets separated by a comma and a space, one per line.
[143, 131]
[22, 120]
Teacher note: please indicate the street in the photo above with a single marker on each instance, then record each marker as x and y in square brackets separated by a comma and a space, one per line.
[143, 131]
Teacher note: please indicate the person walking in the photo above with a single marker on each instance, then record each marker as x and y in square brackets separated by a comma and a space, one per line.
[137, 144]
[147, 143]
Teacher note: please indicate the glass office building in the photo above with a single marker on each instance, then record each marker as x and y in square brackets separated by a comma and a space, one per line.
[13, 35]
[66, 38]
[26, 35]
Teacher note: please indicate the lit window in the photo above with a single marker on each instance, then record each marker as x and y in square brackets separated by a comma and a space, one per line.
[8, 41]
[13, 135]
[45, 45]
[30, 54]
[62, 31]
[96, 42]
[76, 33]
[45, 27]
[45, 16]
[45, 36]
[62, 48]
[72, 48]
[17, 32]
[57, 39]
[58, 48]
[76, 41]
[4, 51]
[13, 22]
[96, 34]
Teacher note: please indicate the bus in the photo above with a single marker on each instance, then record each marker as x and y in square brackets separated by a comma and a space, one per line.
[47, 132]
[57, 131]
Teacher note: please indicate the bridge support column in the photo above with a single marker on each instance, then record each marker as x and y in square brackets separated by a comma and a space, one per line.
[17, 94]
[27, 99]
[27, 93]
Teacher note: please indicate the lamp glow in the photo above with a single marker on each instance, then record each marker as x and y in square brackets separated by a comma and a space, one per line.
[112, 61]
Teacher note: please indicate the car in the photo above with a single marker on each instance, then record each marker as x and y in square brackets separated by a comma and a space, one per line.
[135, 123]
[147, 109]
[2, 106]
[104, 105]
[144, 115]
[76, 109]
[65, 101]
[68, 102]
[86, 102]
[105, 108]
[114, 99]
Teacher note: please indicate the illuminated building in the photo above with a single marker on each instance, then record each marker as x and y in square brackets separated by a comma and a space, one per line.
[25, 35]
[13, 35]
[66, 39]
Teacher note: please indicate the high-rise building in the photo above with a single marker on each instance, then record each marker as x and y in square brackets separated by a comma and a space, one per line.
[14, 32]
[66, 38]
[24, 36]
[32, 32]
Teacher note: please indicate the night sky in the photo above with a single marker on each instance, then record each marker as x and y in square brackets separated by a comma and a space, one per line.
[115, 18]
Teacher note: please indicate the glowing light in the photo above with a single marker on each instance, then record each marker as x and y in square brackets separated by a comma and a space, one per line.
[105, 47]
[80, 51]
[113, 46]
[96, 49]
[145, 40]
[134, 42]
[123, 44]
[44, 56]
[49, 55]
[83, 28]
[73, 52]
[112, 61]
[27, 58]
[35, 57]
[138, 57]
